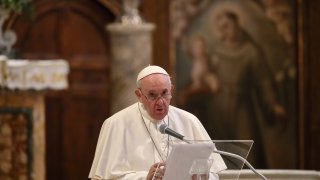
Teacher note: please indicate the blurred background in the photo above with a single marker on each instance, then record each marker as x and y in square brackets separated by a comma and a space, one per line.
[76, 31]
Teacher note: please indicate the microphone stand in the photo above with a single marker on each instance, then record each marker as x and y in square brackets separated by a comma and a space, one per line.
[242, 159]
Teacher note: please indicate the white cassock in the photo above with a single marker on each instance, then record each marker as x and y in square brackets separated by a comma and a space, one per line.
[130, 142]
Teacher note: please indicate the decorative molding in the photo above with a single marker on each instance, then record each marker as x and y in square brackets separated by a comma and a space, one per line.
[271, 174]
[37, 75]
[11, 131]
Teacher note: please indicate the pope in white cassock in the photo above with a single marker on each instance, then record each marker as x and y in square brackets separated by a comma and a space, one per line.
[130, 145]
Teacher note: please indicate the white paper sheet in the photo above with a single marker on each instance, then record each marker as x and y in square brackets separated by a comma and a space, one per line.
[182, 157]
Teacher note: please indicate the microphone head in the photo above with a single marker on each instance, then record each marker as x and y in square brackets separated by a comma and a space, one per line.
[163, 128]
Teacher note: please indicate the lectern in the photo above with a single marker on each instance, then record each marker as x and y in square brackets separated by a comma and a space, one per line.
[185, 154]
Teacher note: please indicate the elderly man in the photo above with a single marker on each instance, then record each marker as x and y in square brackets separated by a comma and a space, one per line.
[130, 145]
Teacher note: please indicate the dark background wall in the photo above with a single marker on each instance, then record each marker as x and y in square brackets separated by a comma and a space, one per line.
[310, 97]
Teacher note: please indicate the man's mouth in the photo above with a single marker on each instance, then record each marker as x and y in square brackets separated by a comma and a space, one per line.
[159, 109]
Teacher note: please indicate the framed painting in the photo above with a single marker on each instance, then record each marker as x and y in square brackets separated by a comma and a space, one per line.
[236, 70]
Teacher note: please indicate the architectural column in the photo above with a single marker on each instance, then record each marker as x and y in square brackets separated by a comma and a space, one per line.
[131, 50]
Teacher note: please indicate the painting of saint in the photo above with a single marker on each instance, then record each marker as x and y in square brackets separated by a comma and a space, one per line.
[237, 58]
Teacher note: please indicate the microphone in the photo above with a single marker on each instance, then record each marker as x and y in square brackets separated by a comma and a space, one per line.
[164, 129]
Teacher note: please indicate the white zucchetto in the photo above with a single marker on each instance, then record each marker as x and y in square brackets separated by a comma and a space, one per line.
[151, 69]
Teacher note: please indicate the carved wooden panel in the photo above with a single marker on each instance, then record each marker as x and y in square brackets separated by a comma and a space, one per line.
[22, 135]
[16, 143]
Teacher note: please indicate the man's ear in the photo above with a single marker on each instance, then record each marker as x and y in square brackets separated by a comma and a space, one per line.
[137, 92]
[172, 88]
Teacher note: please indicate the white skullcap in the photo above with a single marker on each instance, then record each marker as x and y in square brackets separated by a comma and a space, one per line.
[151, 69]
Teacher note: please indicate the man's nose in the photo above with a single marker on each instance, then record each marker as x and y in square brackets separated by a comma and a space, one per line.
[160, 100]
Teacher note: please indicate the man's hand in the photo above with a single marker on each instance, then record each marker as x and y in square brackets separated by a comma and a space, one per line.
[156, 171]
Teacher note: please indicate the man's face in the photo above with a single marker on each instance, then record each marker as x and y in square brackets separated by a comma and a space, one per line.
[226, 29]
[155, 94]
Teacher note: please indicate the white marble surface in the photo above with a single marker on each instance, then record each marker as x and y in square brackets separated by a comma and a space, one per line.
[272, 174]
[34, 74]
